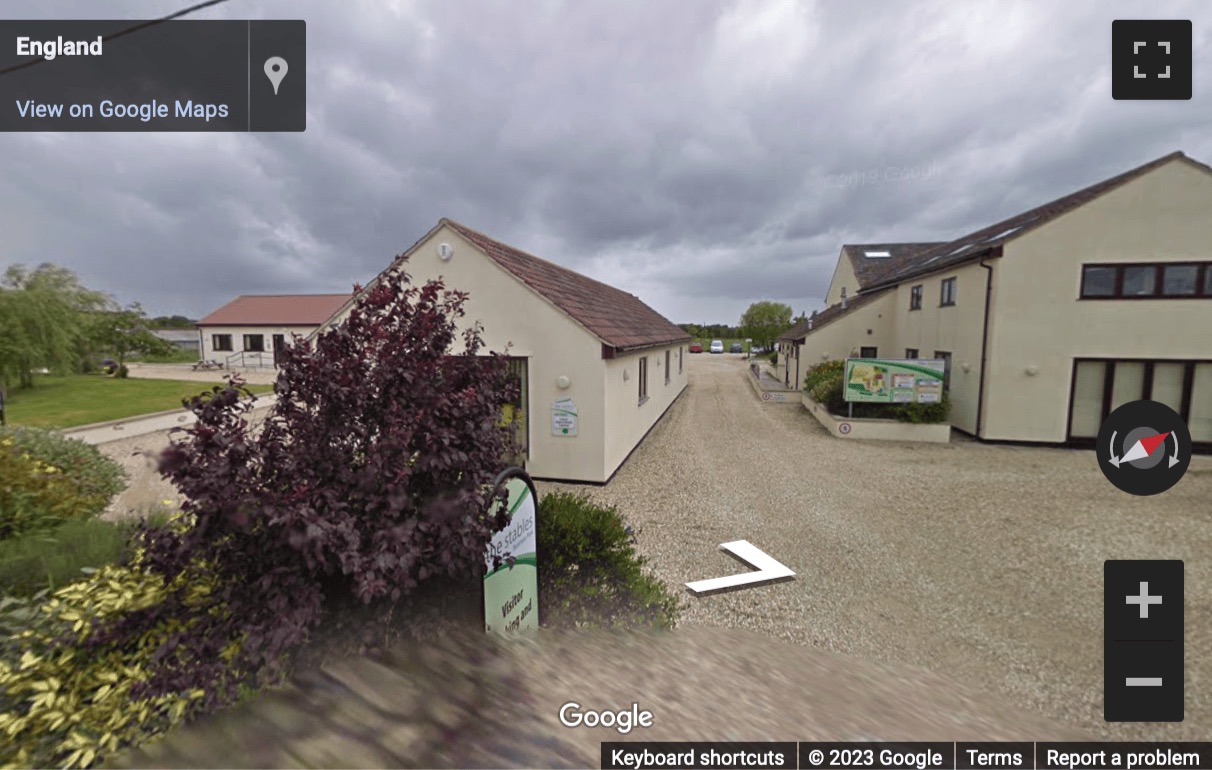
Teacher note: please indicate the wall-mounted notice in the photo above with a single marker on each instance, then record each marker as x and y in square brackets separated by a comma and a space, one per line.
[564, 418]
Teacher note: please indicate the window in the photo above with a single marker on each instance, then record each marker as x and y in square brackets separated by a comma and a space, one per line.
[910, 352]
[947, 292]
[1140, 281]
[868, 352]
[1101, 385]
[915, 297]
[668, 374]
[1099, 281]
[643, 379]
[1156, 280]
[680, 352]
[220, 342]
[945, 357]
[254, 343]
[1180, 280]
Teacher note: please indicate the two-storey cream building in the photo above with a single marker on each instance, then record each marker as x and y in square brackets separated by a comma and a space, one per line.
[1050, 319]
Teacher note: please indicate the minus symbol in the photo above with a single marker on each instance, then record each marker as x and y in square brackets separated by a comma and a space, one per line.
[1144, 681]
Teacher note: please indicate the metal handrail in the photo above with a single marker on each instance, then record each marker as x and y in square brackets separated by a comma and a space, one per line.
[240, 359]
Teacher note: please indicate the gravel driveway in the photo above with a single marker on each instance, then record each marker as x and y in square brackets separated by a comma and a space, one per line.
[982, 562]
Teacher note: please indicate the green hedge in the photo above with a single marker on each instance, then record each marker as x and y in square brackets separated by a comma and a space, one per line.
[591, 575]
[50, 560]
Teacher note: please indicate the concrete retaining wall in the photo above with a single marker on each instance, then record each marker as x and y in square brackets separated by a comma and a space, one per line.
[876, 430]
[770, 396]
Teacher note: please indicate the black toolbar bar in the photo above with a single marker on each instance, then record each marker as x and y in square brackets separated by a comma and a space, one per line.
[928, 755]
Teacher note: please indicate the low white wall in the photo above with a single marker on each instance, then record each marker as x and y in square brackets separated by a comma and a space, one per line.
[876, 430]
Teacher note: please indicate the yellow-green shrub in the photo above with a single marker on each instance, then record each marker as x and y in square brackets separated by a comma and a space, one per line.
[67, 703]
[33, 494]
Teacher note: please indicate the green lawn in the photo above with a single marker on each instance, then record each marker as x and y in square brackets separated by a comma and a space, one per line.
[82, 399]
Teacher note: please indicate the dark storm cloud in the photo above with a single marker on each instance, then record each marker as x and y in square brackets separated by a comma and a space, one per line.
[703, 155]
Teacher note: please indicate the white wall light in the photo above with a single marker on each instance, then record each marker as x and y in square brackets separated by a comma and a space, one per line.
[1032, 370]
[562, 382]
[626, 376]
[967, 367]
[445, 252]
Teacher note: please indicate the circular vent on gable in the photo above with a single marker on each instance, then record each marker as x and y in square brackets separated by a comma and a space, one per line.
[445, 251]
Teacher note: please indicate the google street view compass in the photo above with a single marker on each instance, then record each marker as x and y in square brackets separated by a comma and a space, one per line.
[1144, 447]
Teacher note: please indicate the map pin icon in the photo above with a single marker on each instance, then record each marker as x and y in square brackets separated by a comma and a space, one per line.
[275, 70]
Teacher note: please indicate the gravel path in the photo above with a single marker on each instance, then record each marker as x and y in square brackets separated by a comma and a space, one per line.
[186, 372]
[146, 490]
[984, 562]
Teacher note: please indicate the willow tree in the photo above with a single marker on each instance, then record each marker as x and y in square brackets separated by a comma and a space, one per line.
[44, 318]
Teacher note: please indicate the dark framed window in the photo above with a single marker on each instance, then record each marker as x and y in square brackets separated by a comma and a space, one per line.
[945, 357]
[868, 352]
[910, 352]
[220, 342]
[668, 366]
[1099, 281]
[1140, 281]
[254, 343]
[680, 352]
[946, 295]
[643, 379]
[1180, 280]
[915, 297]
[1150, 280]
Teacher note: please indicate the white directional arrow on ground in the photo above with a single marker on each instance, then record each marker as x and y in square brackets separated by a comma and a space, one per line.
[767, 569]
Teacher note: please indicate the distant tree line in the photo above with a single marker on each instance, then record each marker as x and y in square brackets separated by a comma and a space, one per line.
[763, 322]
[171, 322]
[49, 320]
[715, 331]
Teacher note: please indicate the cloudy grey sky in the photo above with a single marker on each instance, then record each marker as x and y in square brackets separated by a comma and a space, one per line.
[701, 154]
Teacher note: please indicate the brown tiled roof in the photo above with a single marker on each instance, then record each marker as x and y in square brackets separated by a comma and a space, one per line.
[619, 319]
[277, 310]
[981, 242]
[868, 269]
[826, 316]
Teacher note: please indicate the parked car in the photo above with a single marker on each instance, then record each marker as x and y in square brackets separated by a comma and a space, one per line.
[736, 347]
[757, 349]
[696, 348]
[717, 346]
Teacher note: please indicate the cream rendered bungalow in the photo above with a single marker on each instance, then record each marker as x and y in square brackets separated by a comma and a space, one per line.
[248, 331]
[1051, 319]
[578, 345]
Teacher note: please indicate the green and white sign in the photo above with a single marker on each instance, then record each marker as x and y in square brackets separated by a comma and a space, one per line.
[511, 593]
[564, 418]
[895, 380]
